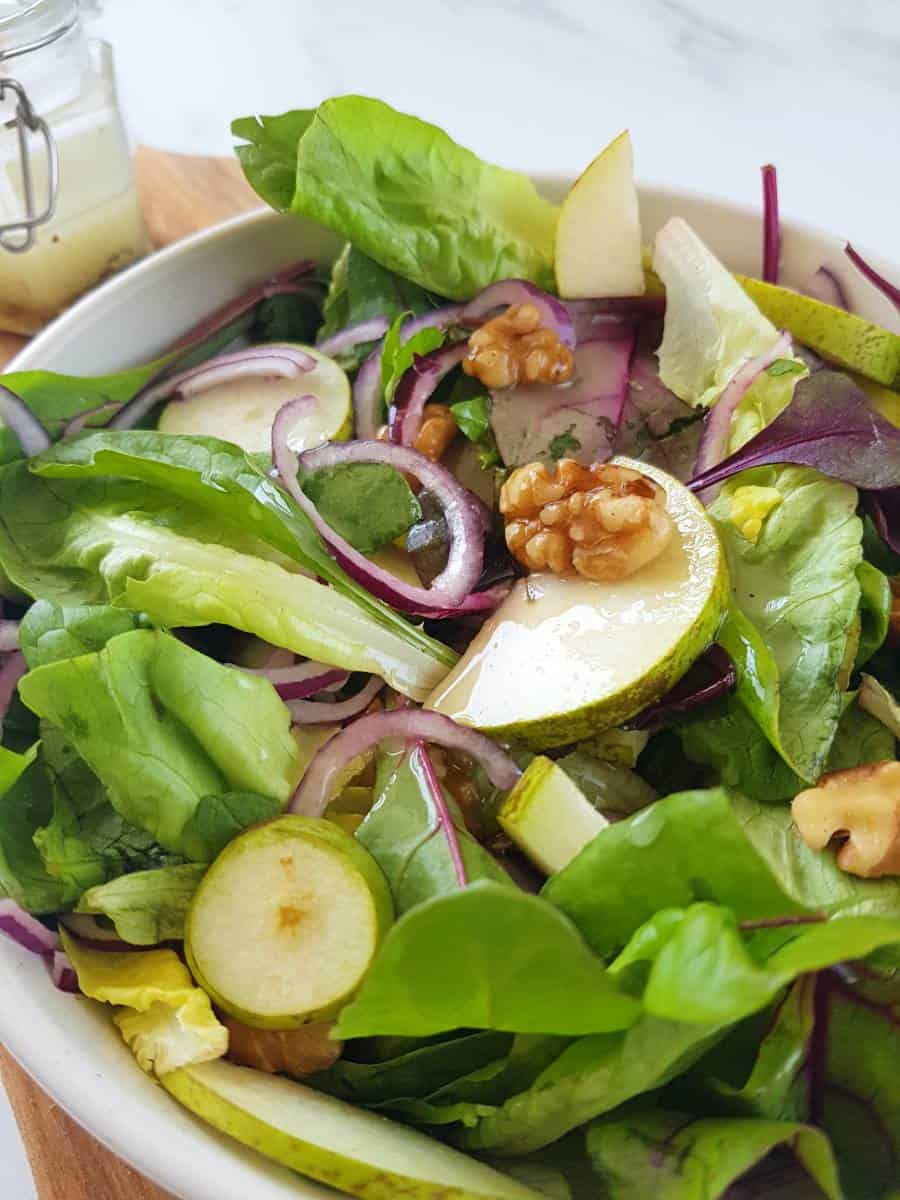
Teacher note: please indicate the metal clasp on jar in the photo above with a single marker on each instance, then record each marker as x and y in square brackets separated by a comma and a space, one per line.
[18, 236]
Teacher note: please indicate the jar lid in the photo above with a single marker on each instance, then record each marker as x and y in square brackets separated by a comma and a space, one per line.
[42, 45]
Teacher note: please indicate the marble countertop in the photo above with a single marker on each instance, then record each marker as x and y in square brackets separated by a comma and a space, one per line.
[709, 91]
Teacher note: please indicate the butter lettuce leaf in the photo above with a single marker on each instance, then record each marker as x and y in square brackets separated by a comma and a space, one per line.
[49, 632]
[146, 907]
[404, 193]
[162, 726]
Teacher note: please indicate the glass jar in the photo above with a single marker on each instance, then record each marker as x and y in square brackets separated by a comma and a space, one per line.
[69, 212]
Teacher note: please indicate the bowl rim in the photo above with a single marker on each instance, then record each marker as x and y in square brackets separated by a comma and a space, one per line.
[76, 1088]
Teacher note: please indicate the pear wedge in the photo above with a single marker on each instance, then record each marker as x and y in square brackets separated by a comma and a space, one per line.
[333, 1142]
[598, 237]
[563, 658]
[548, 816]
[841, 337]
[243, 410]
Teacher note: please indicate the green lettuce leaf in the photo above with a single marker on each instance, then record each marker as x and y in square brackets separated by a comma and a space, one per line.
[403, 835]
[50, 632]
[798, 585]
[706, 846]
[146, 907]
[25, 807]
[614, 790]
[162, 726]
[485, 957]
[404, 193]
[874, 611]
[370, 504]
[676, 1156]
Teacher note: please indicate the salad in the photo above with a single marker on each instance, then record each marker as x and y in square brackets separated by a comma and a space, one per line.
[449, 699]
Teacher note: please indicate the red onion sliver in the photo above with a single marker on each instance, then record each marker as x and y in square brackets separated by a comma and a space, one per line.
[354, 335]
[28, 431]
[323, 773]
[26, 930]
[433, 784]
[884, 285]
[12, 668]
[309, 712]
[415, 390]
[714, 442]
[824, 285]
[76, 424]
[461, 511]
[368, 399]
[302, 679]
[771, 256]
[554, 314]
[63, 973]
[9, 636]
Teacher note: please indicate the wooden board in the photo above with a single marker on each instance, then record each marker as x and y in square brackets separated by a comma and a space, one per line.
[180, 194]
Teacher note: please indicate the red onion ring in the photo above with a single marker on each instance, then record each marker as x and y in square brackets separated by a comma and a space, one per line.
[9, 636]
[354, 335]
[272, 360]
[884, 285]
[415, 389]
[63, 973]
[76, 424]
[312, 796]
[25, 427]
[302, 679]
[771, 256]
[461, 511]
[554, 314]
[26, 930]
[714, 441]
[311, 712]
[368, 399]
[12, 668]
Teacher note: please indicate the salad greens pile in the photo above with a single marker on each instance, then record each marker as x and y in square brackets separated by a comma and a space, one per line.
[302, 768]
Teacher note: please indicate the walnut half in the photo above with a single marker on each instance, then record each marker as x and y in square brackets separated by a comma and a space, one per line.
[861, 806]
[515, 348]
[603, 522]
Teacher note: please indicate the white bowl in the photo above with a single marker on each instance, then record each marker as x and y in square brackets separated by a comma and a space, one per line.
[69, 1045]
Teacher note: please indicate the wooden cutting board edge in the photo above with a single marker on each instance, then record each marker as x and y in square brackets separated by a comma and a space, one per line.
[180, 194]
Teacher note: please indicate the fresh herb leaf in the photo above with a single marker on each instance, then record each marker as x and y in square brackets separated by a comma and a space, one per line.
[397, 355]
[370, 504]
[786, 366]
[564, 444]
[473, 418]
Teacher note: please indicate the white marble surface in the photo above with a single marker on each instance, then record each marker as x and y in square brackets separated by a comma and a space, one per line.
[709, 88]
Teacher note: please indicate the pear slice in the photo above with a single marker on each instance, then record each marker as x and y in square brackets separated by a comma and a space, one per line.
[329, 1140]
[548, 816]
[598, 237]
[841, 337]
[243, 411]
[286, 922]
[563, 658]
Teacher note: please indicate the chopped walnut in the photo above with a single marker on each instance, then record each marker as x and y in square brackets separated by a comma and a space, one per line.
[295, 1052]
[603, 522]
[514, 348]
[861, 806]
[437, 431]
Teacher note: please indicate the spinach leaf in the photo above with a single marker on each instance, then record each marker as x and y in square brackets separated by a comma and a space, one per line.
[402, 833]
[706, 846]
[798, 585]
[485, 957]
[403, 192]
[874, 611]
[146, 907]
[676, 1156]
[370, 504]
[162, 726]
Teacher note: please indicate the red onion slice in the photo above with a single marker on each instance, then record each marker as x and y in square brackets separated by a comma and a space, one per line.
[354, 335]
[63, 973]
[554, 314]
[368, 399]
[461, 511]
[877, 280]
[26, 930]
[824, 285]
[272, 361]
[28, 431]
[76, 424]
[416, 388]
[771, 255]
[310, 712]
[714, 442]
[12, 668]
[301, 679]
[323, 773]
[9, 636]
